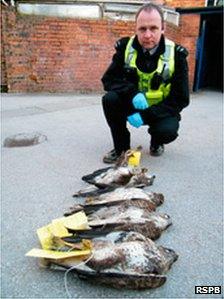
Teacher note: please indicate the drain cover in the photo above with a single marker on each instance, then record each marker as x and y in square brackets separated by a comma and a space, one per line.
[24, 139]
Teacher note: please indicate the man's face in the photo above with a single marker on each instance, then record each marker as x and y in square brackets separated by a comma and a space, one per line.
[149, 28]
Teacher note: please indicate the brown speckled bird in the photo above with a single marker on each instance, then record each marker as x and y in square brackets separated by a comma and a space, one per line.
[126, 259]
[129, 218]
[134, 196]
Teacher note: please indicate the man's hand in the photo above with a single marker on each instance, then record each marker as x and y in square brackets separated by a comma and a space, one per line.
[135, 120]
[139, 101]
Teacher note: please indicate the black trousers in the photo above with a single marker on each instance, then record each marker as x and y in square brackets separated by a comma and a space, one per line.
[116, 111]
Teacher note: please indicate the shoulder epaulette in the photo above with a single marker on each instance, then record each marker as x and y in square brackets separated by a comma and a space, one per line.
[182, 50]
[121, 43]
[117, 44]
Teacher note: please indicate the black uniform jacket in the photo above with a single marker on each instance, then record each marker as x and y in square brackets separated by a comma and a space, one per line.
[120, 79]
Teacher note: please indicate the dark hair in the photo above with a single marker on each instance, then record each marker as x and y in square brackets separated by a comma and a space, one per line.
[149, 7]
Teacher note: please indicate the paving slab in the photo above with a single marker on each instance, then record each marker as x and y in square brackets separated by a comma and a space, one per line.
[38, 182]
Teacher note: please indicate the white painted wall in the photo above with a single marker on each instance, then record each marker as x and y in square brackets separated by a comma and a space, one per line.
[61, 10]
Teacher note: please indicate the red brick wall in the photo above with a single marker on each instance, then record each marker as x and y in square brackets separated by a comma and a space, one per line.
[46, 54]
[185, 3]
[186, 34]
[3, 62]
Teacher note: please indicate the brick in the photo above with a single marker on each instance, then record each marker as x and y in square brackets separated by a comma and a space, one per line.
[69, 55]
[185, 3]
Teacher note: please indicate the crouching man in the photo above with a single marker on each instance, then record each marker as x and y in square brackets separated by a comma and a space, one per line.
[146, 84]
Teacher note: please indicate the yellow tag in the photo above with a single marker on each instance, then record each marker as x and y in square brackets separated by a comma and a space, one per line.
[45, 237]
[46, 233]
[59, 228]
[76, 221]
[134, 159]
[51, 254]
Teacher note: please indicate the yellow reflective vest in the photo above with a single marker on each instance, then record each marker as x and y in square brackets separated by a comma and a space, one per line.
[165, 67]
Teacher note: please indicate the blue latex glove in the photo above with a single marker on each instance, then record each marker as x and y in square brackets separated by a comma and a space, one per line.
[139, 101]
[135, 120]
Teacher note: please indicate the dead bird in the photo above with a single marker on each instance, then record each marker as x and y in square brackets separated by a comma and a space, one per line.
[125, 259]
[130, 218]
[119, 176]
[135, 196]
[111, 178]
[125, 193]
[127, 217]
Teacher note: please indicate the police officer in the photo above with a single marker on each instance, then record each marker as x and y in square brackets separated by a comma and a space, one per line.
[146, 84]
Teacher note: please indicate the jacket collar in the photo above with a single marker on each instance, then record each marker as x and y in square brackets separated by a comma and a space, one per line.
[158, 51]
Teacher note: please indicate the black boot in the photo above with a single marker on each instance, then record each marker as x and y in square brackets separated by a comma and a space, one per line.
[156, 150]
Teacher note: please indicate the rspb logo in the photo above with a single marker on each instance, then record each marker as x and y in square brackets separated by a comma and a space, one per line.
[207, 289]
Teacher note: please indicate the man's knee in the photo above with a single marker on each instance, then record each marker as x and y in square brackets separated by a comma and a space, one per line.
[169, 137]
[166, 131]
[165, 135]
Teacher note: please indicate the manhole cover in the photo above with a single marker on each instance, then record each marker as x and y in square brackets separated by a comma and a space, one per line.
[24, 139]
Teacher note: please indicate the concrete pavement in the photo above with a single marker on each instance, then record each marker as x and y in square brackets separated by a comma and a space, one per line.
[38, 182]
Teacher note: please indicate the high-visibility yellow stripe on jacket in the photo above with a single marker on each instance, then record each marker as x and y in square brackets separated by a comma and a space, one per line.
[165, 66]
